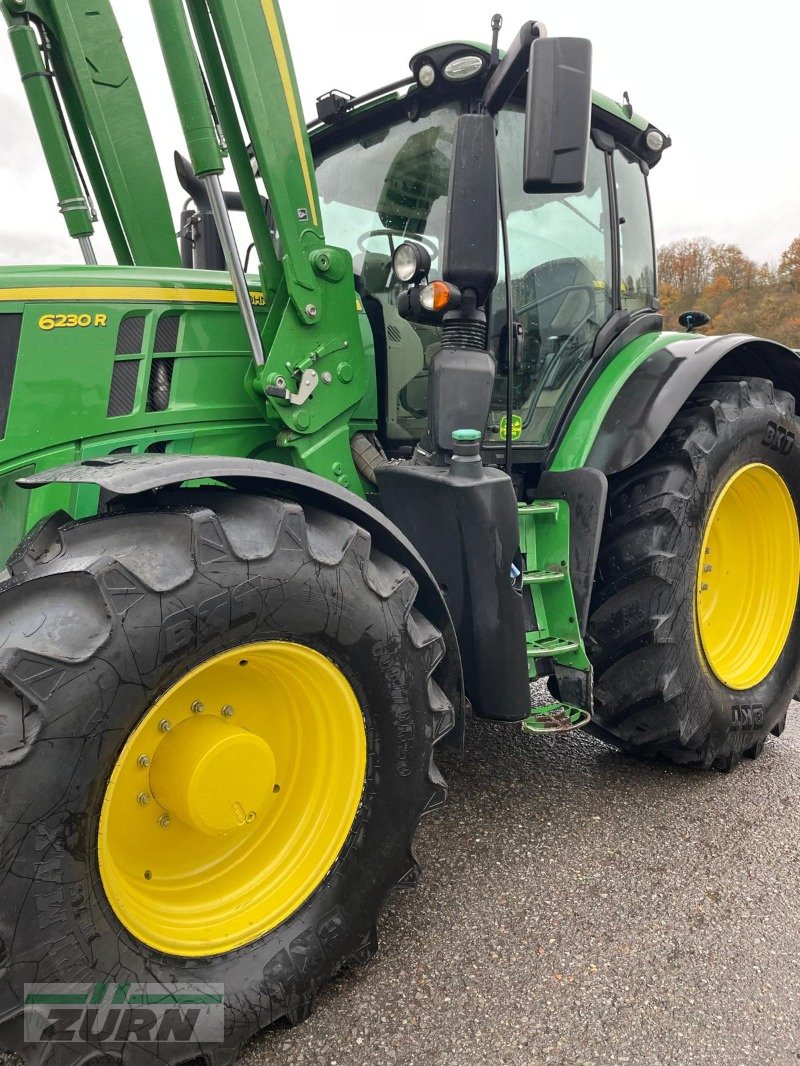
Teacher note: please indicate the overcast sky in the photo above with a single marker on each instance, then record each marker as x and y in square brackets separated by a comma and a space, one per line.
[719, 76]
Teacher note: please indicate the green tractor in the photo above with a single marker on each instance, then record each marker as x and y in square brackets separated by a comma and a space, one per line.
[274, 534]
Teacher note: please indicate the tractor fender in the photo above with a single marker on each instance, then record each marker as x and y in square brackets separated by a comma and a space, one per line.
[651, 396]
[133, 475]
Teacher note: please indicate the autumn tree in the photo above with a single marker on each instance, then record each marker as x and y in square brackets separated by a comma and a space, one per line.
[740, 295]
[789, 266]
[686, 264]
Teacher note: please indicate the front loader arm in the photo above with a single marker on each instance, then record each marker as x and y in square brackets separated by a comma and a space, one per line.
[91, 74]
[310, 347]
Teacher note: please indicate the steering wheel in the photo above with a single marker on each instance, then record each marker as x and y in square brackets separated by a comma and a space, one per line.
[567, 289]
[391, 233]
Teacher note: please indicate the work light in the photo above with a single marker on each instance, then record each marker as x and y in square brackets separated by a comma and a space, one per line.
[411, 262]
[463, 67]
[426, 75]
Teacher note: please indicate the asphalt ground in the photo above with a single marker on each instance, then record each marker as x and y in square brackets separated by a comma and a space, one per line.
[578, 906]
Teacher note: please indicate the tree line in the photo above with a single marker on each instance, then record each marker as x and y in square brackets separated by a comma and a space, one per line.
[740, 295]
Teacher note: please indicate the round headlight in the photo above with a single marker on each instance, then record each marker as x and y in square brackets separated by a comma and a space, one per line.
[463, 67]
[410, 262]
[426, 75]
[654, 140]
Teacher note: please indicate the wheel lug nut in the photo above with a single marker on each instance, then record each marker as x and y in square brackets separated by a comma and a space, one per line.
[164, 726]
[707, 568]
[144, 761]
[703, 587]
[165, 821]
[198, 707]
[227, 711]
[251, 817]
[143, 798]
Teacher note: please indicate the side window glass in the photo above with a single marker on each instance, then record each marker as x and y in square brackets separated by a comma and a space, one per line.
[561, 283]
[637, 254]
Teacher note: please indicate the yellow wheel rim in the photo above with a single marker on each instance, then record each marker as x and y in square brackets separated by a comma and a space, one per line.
[232, 799]
[747, 576]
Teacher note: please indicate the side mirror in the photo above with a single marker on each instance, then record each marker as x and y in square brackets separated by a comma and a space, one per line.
[692, 320]
[558, 113]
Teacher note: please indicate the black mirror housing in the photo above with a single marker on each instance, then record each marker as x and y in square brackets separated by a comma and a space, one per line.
[558, 115]
[469, 258]
[692, 320]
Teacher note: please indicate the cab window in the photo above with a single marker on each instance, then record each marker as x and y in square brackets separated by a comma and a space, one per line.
[562, 287]
[637, 252]
[376, 191]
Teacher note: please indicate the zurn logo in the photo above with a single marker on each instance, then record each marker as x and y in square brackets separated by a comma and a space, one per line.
[142, 1013]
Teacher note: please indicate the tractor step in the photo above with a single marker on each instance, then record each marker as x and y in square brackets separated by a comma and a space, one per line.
[538, 649]
[556, 718]
[544, 507]
[542, 577]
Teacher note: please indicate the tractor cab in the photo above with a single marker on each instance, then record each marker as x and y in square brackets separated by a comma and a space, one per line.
[582, 264]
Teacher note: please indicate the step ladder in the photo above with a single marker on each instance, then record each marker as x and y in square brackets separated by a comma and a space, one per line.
[544, 537]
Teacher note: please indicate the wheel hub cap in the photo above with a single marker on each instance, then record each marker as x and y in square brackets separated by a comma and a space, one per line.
[213, 775]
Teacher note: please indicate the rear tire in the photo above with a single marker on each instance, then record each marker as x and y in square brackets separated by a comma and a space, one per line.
[655, 690]
[100, 619]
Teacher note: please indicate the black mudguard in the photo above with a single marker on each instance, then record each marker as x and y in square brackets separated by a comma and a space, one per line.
[468, 532]
[656, 391]
[134, 475]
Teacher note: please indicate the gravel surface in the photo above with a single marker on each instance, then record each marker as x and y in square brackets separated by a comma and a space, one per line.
[577, 907]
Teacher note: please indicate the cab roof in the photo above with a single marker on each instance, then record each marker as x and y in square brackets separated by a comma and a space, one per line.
[618, 119]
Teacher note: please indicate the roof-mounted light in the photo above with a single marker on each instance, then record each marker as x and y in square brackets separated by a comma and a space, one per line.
[426, 75]
[463, 67]
[654, 140]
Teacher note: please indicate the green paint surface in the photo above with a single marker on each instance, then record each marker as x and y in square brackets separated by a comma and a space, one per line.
[580, 436]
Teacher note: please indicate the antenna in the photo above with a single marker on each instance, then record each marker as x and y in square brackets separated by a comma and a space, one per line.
[497, 23]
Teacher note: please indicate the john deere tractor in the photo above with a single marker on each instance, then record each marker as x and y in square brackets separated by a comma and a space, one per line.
[274, 531]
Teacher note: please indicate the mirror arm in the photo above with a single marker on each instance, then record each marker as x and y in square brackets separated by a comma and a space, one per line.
[511, 69]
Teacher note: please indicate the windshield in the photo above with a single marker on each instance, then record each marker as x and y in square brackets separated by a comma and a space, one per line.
[375, 192]
[392, 184]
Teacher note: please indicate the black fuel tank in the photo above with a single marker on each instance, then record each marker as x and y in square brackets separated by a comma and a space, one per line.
[463, 521]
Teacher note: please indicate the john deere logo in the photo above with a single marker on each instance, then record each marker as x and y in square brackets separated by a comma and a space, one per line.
[89, 1014]
[516, 427]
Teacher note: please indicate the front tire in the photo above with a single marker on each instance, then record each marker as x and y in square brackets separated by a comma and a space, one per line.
[695, 624]
[128, 794]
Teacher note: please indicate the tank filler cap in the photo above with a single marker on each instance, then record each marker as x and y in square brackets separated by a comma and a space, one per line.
[467, 441]
[466, 461]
